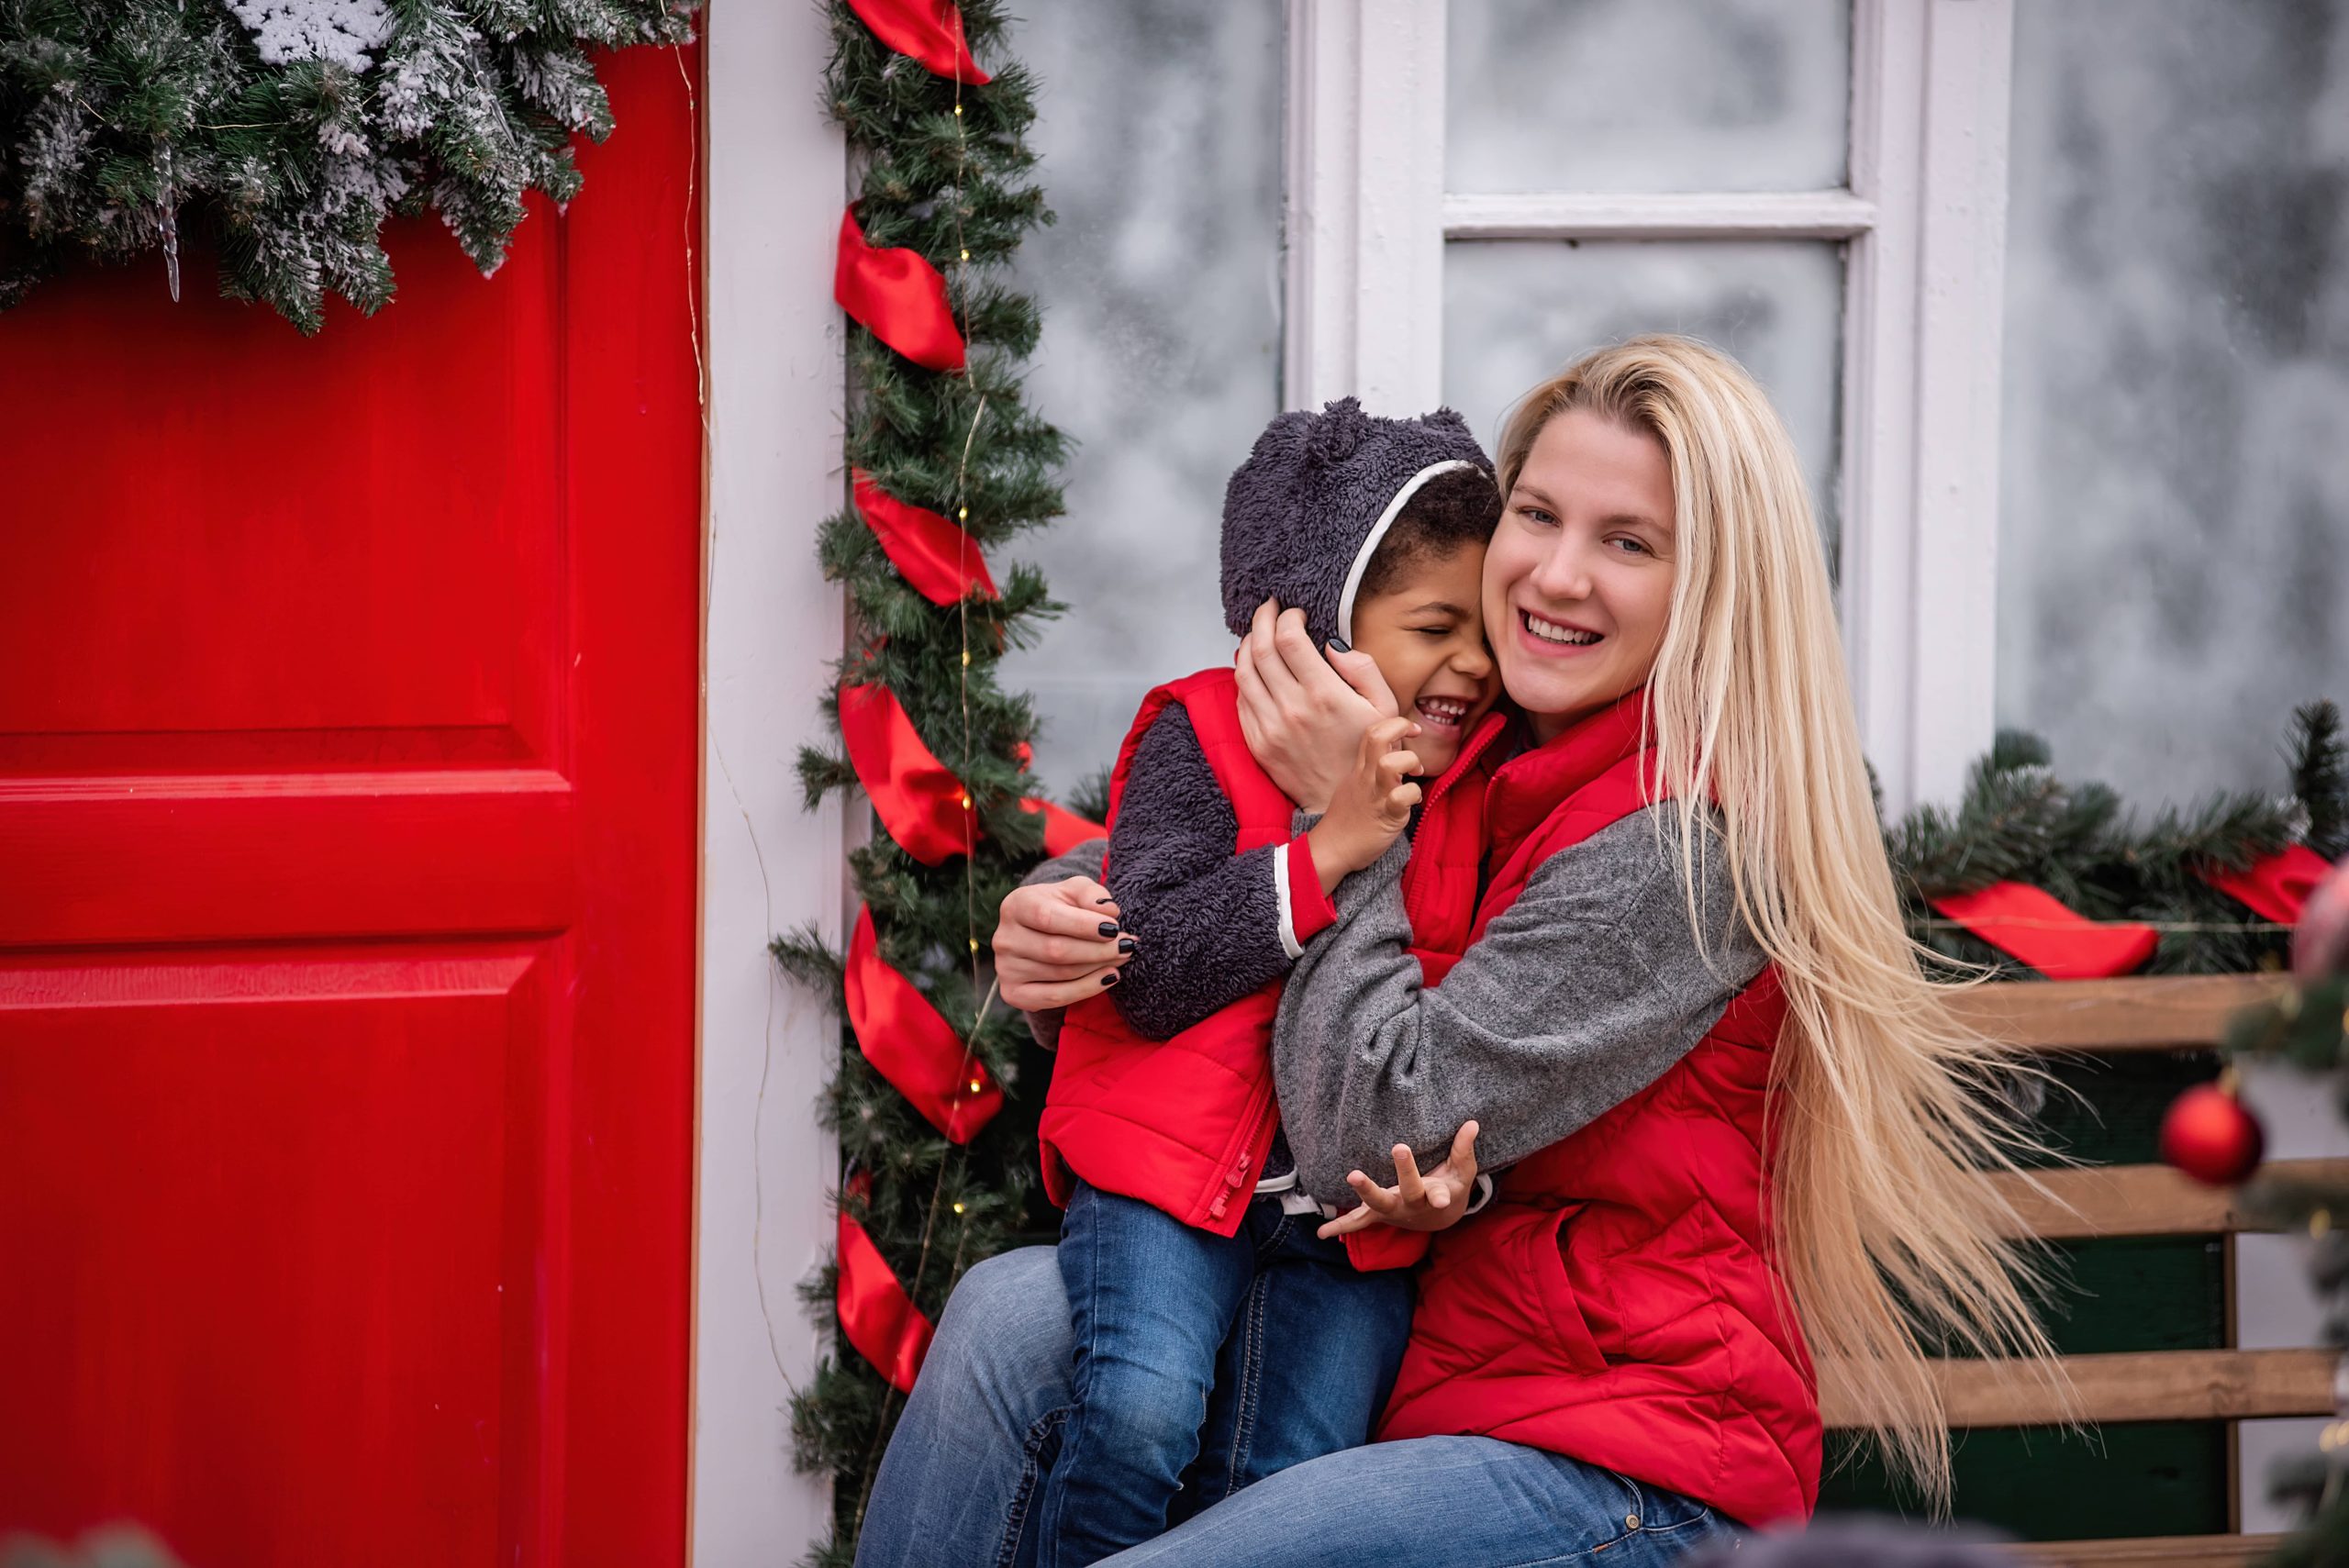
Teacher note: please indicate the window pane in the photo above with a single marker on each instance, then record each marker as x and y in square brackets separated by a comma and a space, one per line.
[1160, 131]
[1516, 311]
[2173, 535]
[1646, 95]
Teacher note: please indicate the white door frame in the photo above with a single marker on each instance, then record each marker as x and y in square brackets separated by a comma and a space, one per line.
[771, 340]
[1924, 216]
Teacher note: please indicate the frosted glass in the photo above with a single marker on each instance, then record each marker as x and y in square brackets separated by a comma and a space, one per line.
[1646, 95]
[2174, 529]
[1159, 130]
[1517, 311]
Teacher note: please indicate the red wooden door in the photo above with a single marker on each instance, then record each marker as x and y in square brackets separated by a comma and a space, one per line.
[349, 725]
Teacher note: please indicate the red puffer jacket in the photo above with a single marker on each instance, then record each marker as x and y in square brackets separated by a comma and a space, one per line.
[1617, 1302]
[1185, 1124]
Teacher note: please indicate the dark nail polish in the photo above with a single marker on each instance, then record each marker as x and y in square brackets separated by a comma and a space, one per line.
[1126, 944]
[1105, 901]
[1110, 978]
[1340, 645]
[1108, 927]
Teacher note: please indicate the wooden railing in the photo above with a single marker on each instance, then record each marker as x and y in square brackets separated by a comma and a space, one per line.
[2182, 1013]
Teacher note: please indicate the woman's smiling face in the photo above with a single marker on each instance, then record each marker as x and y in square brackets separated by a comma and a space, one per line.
[1578, 578]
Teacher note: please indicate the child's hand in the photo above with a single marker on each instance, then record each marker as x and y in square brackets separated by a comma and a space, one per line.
[1434, 1202]
[1371, 806]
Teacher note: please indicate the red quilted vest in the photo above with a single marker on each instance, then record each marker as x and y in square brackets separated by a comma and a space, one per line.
[1185, 1124]
[1617, 1302]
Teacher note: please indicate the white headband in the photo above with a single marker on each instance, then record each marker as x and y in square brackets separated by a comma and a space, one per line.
[1378, 534]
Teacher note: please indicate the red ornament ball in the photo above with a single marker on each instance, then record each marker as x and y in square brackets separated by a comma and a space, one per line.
[2211, 1137]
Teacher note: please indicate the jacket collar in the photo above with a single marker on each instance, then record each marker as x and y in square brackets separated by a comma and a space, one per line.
[1534, 784]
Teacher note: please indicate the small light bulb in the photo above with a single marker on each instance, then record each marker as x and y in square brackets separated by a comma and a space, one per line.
[958, 1208]
[976, 1086]
[963, 512]
[966, 658]
[966, 255]
[966, 800]
[958, 111]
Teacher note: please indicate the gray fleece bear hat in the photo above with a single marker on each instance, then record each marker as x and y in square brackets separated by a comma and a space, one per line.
[1303, 516]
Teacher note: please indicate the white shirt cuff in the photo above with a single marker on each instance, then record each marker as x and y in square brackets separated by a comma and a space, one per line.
[1289, 944]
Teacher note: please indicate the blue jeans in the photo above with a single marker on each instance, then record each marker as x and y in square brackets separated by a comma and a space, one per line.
[1205, 1363]
[958, 1485]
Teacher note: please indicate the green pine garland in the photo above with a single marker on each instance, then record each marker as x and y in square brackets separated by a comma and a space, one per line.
[124, 124]
[941, 185]
[2019, 822]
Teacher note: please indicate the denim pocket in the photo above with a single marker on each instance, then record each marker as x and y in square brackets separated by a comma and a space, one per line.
[1685, 1521]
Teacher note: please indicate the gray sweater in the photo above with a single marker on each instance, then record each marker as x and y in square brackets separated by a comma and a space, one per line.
[1577, 998]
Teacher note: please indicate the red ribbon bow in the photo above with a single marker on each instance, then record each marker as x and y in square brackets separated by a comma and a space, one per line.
[939, 559]
[908, 1043]
[930, 31]
[923, 806]
[900, 297]
[879, 1318]
[2277, 887]
[1064, 829]
[2028, 923]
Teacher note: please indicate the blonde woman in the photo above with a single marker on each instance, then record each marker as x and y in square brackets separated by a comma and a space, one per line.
[1734, 1121]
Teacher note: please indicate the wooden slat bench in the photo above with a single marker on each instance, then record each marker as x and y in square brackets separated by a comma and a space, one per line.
[2109, 1017]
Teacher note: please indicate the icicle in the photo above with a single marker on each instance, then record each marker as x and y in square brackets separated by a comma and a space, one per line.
[171, 225]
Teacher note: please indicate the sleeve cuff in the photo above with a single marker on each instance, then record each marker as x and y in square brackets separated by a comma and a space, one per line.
[1306, 910]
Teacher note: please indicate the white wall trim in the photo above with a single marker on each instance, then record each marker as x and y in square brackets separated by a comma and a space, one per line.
[777, 176]
[1364, 204]
[1924, 305]
[1790, 214]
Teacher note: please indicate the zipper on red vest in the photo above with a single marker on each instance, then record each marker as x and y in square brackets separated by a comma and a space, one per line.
[1258, 1128]
[1487, 733]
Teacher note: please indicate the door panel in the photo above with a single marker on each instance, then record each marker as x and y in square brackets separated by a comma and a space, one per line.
[347, 745]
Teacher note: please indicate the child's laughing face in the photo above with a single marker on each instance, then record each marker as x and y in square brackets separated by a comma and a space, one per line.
[1425, 634]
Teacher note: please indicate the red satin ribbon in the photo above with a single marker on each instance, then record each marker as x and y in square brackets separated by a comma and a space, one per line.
[879, 1318]
[908, 1043]
[923, 806]
[939, 559]
[900, 296]
[927, 31]
[2275, 887]
[1064, 829]
[2026, 922]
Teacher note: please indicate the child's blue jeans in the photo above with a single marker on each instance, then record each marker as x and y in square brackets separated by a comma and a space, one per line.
[1204, 1362]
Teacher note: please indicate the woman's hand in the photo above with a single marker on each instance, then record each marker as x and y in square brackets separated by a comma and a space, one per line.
[1371, 808]
[1058, 942]
[1437, 1201]
[1303, 714]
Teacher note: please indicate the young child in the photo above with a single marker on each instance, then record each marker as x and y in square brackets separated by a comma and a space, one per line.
[1193, 1267]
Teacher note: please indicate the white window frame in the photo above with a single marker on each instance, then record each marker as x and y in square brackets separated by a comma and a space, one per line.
[1923, 216]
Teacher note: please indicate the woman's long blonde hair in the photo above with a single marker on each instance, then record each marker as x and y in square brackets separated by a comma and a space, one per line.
[1884, 1106]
